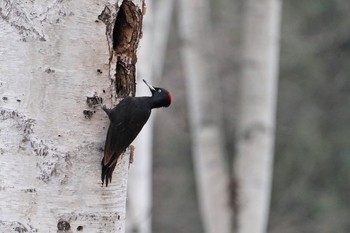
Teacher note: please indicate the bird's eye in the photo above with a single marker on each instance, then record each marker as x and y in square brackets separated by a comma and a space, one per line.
[159, 90]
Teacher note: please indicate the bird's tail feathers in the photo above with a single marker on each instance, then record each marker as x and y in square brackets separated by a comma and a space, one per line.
[107, 171]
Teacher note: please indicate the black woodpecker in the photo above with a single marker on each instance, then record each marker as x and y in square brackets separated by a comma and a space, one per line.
[126, 122]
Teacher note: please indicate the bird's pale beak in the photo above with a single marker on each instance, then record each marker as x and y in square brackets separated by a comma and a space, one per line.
[149, 86]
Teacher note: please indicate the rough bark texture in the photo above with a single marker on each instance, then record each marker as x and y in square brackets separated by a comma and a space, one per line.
[54, 62]
[211, 174]
[123, 31]
[256, 123]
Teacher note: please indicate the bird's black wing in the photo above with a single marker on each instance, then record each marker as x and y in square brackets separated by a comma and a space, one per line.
[111, 153]
[121, 132]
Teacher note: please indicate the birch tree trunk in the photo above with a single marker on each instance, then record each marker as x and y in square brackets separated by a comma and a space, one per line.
[203, 103]
[256, 123]
[139, 203]
[56, 59]
[163, 13]
[152, 50]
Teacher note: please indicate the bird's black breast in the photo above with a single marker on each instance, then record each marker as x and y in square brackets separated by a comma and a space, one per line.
[131, 111]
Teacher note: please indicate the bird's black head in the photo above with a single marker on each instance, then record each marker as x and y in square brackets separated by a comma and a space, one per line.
[160, 96]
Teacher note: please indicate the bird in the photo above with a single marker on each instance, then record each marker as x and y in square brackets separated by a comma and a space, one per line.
[126, 121]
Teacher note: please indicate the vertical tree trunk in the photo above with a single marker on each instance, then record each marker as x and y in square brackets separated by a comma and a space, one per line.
[207, 145]
[150, 64]
[256, 123]
[163, 12]
[55, 62]
[139, 203]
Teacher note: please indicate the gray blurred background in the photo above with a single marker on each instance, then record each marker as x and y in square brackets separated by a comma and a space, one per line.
[311, 182]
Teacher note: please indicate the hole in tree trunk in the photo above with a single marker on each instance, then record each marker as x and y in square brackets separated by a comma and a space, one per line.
[126, 36]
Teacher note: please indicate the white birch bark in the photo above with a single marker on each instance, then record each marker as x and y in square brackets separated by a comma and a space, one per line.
[53, 55]
[203, 95]
[256, 123]
[152, 50]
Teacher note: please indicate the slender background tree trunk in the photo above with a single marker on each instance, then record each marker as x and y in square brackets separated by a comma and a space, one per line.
[150, 65]
[256, 122]
[139, 206]
[205, 116]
